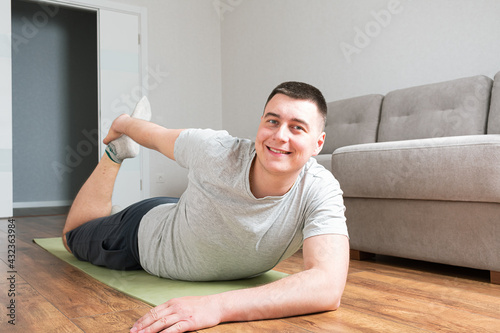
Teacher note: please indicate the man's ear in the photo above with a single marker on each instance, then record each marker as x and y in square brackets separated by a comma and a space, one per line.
[320, 143]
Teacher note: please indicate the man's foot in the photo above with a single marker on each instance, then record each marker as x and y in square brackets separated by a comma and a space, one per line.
[142, 109]
[124, 147]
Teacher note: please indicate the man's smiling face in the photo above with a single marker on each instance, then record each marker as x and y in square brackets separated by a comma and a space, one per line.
[290, 132]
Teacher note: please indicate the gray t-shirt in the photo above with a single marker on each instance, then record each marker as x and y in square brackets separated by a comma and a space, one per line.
[218, 230]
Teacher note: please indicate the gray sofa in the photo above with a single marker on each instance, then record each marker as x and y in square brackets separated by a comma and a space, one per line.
[420, 171]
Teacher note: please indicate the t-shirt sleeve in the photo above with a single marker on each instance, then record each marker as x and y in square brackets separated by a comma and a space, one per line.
[325, 214]
[195, 145]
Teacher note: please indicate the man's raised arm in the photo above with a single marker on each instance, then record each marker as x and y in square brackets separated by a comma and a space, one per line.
[145, 133]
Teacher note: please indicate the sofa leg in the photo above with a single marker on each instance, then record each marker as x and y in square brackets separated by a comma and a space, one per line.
[360, 255]
[495, 277]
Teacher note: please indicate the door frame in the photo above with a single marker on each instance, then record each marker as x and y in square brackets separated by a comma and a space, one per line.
[141, 13]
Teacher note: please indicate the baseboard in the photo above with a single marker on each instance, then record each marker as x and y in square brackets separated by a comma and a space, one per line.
[38, 204]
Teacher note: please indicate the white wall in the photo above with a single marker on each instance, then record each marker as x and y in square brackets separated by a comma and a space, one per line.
[5, 111]
[211, 58]
[185, 53]
[401, 44]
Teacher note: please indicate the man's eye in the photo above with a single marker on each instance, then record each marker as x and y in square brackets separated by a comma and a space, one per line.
[298, 128]
[272, 121]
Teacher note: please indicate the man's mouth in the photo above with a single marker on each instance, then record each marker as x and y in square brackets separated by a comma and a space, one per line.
[277, 151]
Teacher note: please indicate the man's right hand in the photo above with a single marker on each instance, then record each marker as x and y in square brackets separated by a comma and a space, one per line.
[116, 129]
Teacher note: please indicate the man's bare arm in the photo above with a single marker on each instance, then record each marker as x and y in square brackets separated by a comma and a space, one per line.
[145, 133]
[318, 288]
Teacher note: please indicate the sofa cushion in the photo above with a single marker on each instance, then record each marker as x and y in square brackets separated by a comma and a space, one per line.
[352, 121]
[494, 115]
[462, 168]
[457, 107]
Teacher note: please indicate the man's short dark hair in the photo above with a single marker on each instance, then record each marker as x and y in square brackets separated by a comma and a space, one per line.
[302, 91]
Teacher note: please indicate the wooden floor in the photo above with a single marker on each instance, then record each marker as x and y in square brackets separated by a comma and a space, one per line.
[382, 295]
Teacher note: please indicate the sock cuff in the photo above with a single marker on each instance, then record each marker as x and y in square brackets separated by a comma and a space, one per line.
[112, 154]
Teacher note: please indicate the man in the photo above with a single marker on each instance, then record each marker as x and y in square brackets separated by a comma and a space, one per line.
[247, 207]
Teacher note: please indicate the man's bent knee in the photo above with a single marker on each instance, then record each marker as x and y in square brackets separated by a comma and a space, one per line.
[65, 242]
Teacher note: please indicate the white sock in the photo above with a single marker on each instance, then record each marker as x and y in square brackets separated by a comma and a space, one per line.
[142, 109]
[124, 147]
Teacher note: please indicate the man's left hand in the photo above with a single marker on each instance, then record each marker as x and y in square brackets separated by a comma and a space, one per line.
[181, 315]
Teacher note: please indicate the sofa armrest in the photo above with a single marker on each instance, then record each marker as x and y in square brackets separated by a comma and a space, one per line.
[460, 168]
[325, 160]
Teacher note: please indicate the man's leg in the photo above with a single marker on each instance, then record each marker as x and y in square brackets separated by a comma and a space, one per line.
[94, 198]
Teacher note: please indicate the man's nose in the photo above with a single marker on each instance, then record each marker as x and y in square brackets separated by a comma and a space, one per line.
[281, 134]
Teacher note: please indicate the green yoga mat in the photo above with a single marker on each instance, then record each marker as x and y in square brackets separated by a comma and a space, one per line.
[148, 288]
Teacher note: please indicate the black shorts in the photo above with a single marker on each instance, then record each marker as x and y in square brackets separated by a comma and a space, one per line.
[111, 241]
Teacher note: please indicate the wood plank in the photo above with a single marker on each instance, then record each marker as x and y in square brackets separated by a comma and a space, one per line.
[121, 321]
[349, 319]
[76, 293]
[455, 295]
[394, 304]
[3, 248]
[432, 273]
[383, 294]
[4, 225]
[33, 313]
[270, 326]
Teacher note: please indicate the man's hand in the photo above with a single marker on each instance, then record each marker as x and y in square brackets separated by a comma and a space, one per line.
[145, 133]
[115, 131]
[318, 288]
[181, 315]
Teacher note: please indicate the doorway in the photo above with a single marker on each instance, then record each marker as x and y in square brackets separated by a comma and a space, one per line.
[55, 102]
